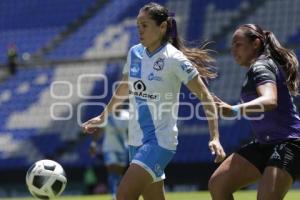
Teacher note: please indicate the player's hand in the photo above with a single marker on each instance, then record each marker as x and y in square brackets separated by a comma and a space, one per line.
[217, 150]
[93, 125]
[224, 109]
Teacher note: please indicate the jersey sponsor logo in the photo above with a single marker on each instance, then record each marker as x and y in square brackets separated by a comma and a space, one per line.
[152, 77]
[159, 64]
[140, 90]
[135, 68]
[139, 86]
[136, 63]
[187, 67]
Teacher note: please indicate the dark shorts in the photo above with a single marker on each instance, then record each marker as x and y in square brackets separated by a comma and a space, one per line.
[284, 155]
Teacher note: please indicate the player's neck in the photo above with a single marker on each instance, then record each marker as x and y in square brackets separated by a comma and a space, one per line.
[154, 47]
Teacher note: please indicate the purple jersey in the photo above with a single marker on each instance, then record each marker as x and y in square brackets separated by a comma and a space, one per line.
[282, 123]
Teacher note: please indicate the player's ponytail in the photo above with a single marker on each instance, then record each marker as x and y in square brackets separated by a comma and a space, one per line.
[198, 56]
[286, 58]
[272, 47]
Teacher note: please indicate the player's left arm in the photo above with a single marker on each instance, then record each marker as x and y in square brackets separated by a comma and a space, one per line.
[197, 87]
[266, 100]
[264, 79]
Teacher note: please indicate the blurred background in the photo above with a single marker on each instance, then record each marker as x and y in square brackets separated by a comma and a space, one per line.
[55, 55]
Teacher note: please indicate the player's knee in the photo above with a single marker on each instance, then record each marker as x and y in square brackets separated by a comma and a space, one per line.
[218, 186]
[119, 197]
[123, 194]
[267, 195]
[214, 184]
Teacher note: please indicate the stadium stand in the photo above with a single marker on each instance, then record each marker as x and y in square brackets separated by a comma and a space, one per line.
[27, 103]
[30, 25]
[92, 40]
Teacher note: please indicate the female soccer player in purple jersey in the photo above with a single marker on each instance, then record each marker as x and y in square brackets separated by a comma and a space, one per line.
[274, 156]
[154, 68]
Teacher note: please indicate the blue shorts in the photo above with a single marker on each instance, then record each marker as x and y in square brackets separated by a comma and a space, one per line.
[152, 158]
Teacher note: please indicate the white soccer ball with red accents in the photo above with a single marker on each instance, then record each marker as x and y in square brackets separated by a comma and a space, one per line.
[46, 179]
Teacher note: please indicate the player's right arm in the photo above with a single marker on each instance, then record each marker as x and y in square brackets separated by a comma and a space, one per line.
[188, 74]
[199, 89]
[91, 126]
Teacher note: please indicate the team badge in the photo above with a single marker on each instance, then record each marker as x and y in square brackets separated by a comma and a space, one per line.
[159, 64]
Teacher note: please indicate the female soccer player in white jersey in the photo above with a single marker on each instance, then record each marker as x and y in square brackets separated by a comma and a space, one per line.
[152, 78]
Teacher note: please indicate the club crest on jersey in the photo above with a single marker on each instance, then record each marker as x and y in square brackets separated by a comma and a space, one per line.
[159, 64]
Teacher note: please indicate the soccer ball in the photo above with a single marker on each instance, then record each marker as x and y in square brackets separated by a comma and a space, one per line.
[46, 179]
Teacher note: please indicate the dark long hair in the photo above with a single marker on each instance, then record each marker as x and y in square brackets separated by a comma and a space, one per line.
[198, 56]
[283, 56]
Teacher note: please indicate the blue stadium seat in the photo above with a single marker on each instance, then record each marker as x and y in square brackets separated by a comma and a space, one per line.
[22, 92]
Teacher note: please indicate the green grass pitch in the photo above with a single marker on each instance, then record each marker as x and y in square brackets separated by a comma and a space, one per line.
[242, 195]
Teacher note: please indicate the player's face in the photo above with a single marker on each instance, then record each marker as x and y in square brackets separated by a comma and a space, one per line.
[243, 50]
[150, 33]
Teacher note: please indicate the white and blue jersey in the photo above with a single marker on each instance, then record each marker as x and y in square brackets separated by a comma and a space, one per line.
[114, 146]
[154, 85]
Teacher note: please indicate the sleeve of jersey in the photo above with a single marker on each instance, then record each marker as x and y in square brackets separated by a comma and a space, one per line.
[183, 68]
[126, 66]
[262, 74]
